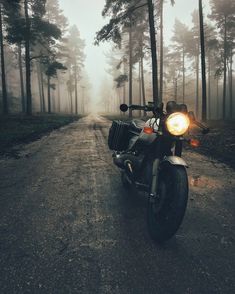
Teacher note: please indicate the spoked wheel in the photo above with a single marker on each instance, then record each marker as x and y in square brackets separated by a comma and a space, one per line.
[166, 211]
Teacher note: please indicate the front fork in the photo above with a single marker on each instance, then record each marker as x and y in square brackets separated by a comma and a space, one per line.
[172, 160]
[178, 148]
[154, 184]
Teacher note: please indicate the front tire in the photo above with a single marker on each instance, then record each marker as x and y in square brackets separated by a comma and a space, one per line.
[166, 212]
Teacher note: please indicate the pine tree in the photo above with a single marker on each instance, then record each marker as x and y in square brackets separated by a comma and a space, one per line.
[6, 9]
[55, 16]
[30, 29]
[161, 17]
[193, 50]
[180, 39]
[75, 60]
[120, 12]
[223, 14]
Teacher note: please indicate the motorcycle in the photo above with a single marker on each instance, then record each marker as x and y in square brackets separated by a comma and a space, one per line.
[149, 156]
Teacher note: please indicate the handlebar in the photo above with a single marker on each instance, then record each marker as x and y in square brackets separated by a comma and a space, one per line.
[147, 108]
[139, 107]
[205, 129]
[159, 109]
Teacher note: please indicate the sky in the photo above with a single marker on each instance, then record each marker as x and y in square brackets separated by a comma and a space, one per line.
[87, 16]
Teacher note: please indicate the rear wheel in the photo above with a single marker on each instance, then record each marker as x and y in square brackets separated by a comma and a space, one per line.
[166, 211]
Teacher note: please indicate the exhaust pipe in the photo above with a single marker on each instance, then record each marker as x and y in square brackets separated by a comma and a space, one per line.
[119, 160]
[128, 161]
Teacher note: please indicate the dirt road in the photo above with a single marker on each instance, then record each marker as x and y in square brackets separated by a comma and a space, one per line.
[68, 226]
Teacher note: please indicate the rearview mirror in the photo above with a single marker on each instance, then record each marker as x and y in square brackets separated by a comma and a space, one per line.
[123, 107]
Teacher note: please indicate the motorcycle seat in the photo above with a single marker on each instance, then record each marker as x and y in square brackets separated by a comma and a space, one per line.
[137, 125]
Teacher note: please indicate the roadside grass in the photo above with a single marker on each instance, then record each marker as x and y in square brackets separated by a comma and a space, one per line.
[219, 143]
[20, 129]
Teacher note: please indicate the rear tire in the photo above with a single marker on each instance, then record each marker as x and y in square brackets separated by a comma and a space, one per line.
[165, 213]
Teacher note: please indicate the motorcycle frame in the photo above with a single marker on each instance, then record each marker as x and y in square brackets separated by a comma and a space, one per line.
[158, 153]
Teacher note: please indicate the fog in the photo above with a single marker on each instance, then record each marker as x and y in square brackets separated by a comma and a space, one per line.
[73, 60]
[87, 16]
[89, 20]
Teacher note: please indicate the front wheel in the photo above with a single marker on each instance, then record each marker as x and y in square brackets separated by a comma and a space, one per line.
[166, 210]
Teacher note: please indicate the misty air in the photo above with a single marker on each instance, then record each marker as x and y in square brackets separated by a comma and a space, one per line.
[117, 143]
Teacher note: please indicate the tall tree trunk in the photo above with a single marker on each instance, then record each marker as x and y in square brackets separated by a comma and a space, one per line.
[71, 101]
[143, 81]
[83, 99]
[70, 90]
[120, 98]
[49, 93]
[183, 74]
[53, 103]
[67, 104]
[209, 86]
[161, 50]
[197, 87]
[217, 97]
[59, 93]
[4, 86]
[203, 63]
[70, 98]
[124, 93]
[176, 90]
[156, 99]
[140, 88]
[76, 90]
[42, 87]
[231, 84]
[21, 77]
[124, 84]
[27, 61]
[225, 68]
[130, 70]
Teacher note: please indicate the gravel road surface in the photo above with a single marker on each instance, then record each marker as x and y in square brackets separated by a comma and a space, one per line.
[68, 226]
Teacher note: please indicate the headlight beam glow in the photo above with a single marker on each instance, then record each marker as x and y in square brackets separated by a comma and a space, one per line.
[177, 123]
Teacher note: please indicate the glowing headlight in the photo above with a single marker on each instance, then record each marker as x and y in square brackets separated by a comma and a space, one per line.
[177, 123]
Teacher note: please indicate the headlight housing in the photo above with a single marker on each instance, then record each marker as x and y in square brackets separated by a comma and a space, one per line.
[177, 123]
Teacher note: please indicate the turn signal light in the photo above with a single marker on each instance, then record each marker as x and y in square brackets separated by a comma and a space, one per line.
[194, 143]
[148, 130]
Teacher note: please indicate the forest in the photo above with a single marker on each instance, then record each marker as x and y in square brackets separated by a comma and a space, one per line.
[42, 59]
[105, 187]
[195, 67]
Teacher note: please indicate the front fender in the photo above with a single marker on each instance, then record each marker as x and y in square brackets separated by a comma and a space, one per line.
[174, 160]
